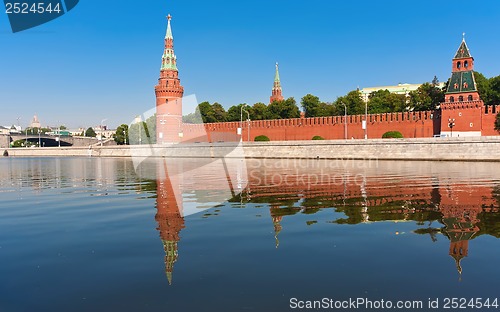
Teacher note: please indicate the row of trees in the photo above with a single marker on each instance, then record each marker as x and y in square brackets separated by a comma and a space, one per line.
[215, 112]
[427, 97]
[143, 132]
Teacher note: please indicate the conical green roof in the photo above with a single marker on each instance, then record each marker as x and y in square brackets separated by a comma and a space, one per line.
[463, 51]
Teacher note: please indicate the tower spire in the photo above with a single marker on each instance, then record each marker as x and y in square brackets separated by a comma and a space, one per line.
[169, 29]
[276, 93]
[277, 75]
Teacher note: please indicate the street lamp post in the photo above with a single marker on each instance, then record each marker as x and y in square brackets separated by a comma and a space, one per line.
[366, 120]
[451, 124]
[345, 121]
[39, 137]
[241, 121]
[102, 122]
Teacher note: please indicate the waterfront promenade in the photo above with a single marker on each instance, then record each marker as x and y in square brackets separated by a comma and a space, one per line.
[438, 149]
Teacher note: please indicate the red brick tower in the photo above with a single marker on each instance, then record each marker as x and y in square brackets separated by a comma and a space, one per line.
[461, 112]
[169, 94]
[276, 95]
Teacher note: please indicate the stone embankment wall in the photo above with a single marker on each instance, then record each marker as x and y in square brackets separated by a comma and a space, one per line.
[439, 149]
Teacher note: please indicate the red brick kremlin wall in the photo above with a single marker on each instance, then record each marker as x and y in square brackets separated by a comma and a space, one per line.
[423, 124]
[410, 124]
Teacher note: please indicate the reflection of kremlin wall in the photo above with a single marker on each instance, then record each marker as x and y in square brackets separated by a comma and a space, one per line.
[462, 104]
[382, 192]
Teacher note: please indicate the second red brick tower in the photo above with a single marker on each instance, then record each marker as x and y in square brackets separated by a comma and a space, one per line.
[276, 95]
[461, 112]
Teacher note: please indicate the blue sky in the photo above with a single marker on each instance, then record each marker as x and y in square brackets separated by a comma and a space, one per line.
[102, 59]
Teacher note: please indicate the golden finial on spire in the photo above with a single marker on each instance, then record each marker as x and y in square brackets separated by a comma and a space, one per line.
[169, 17]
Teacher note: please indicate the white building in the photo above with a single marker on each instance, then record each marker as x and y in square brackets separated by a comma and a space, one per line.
[402, 88]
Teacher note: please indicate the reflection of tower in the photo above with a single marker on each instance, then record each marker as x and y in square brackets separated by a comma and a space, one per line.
[277, 227]
[168, 216]
[276, 95]
[169, 94]
[460, 208]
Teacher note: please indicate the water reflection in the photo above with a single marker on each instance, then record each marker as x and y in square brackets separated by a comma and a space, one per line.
[458, 201]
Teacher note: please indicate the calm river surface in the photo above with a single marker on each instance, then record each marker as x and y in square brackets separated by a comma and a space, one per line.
[93, 234]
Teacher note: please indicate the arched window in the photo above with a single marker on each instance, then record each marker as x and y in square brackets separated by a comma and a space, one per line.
[466, 64]
[461, 98]
[470, 97]
[459, 65]
[452, 99]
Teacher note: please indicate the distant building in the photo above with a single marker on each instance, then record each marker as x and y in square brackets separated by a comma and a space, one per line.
[4, 130]
[401, 88]
[35, 123]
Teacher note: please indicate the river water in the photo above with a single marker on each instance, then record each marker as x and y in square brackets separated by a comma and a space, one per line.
[94, 234]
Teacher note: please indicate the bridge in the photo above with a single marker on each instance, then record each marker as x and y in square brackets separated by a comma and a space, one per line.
[51, 141]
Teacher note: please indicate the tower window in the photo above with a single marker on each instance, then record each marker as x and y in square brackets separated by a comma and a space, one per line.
[470, 97]
[459, 65]
[461, 98]
[452, 99]
[466, 64]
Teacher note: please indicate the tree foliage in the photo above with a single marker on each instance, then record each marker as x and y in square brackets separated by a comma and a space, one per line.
[212, 112]
[354, 102]
[261, 138]
[143, 132]
[392, 135]
[258, 111]
[427, 97]
[283, 109]
[383, 101]
[488, 88]
[90, 133]
[121, 135]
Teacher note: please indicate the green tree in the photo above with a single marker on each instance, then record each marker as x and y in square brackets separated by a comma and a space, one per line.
[234, 112]
[435, 81]
[212, 113]
[483, 86]
[121, 135]
[206, 112]
[283, 109]
[494, 96]
[142, 132]
[62, 127]
[90, 133]
[383, 101]
[310, 105]
[220, 113]
[193, 118]
[258, 111]
[354, 102]
[426, 97]
[151, 129]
